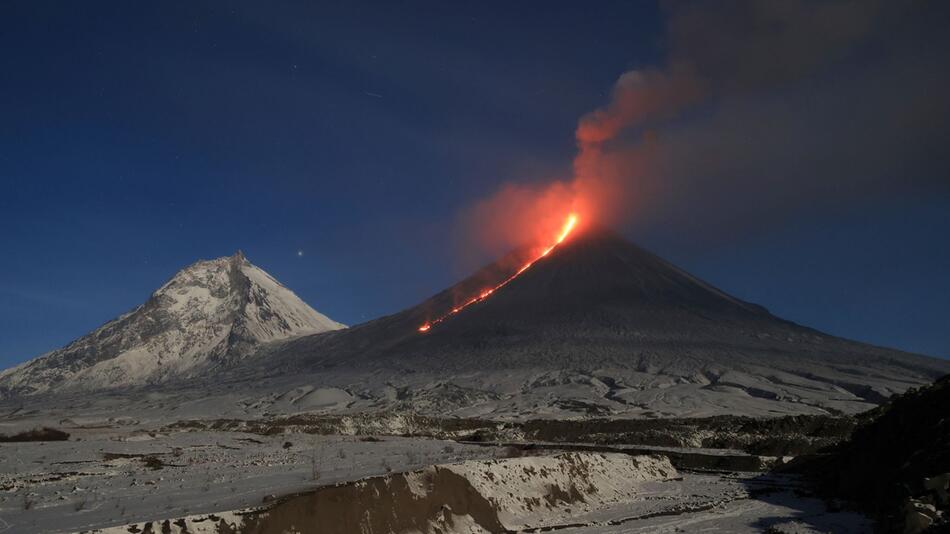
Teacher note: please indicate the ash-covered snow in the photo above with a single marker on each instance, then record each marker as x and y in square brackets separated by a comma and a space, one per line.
[111, 475]
[535, 492]
[492, 495]
[572, 492]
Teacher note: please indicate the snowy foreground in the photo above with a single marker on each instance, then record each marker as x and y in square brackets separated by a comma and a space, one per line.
[133, 479]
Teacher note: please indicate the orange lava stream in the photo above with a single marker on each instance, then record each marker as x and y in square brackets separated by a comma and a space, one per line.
[569, 225]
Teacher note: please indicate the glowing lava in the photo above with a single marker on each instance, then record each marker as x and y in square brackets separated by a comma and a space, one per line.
[569, 225]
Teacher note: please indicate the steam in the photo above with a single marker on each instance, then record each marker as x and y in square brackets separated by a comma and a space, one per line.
[604, 186]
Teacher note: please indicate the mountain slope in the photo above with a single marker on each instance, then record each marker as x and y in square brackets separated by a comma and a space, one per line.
[601, 326]
[209, 314]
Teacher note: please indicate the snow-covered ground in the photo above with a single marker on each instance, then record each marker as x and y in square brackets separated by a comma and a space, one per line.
[117, 478]
[108, 476]
[726, 503]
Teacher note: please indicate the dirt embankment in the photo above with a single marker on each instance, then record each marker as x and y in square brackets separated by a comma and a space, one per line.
[384, 504]
[780, 436]
[496, 496]
[37, 434]
[516, 494]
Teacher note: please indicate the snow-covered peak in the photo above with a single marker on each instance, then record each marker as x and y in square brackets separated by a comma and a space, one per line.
[278, 310]
[208, 315]
[266, 310]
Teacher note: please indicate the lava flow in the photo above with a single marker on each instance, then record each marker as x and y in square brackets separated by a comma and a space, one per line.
[569, 225]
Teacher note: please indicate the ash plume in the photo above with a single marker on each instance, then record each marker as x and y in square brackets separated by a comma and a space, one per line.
[761, 111]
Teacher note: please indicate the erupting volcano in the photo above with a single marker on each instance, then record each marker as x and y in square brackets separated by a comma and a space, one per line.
[590, 324]
[569, 225]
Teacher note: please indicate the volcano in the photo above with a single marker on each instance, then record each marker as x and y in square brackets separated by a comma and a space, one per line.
[601, 326]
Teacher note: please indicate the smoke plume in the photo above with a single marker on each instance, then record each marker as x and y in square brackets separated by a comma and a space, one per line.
[761, 109]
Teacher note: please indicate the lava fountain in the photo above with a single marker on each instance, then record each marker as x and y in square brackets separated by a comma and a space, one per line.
[569, 225]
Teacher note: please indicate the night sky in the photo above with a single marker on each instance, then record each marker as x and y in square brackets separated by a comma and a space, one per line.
[337, 147]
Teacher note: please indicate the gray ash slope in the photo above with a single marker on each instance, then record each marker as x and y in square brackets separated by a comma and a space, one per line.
[600, 327]
[210, 315]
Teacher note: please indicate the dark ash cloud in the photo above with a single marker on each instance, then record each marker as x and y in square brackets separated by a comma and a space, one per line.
[770, 110]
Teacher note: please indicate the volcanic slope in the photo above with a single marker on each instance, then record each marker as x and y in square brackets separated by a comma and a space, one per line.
[208, 316]
[599, 327]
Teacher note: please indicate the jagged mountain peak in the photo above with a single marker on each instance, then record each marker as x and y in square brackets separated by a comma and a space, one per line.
[208, 315]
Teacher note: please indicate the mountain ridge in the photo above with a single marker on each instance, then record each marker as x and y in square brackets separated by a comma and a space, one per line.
[598, 327]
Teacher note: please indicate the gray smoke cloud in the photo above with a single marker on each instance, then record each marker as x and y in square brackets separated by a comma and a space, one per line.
[761, 110]
[768, 108]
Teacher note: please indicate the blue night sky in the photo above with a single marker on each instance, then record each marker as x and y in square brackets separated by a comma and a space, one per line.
[136, 138]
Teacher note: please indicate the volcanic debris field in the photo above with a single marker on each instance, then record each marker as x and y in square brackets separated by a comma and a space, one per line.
[399, 473]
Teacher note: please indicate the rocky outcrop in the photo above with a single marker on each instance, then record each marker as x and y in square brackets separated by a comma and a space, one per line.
[896, 467]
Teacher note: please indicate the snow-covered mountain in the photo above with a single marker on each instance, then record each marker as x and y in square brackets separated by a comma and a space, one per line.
[209, 315]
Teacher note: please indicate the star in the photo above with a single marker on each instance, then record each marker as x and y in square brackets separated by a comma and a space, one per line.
[299, 253]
